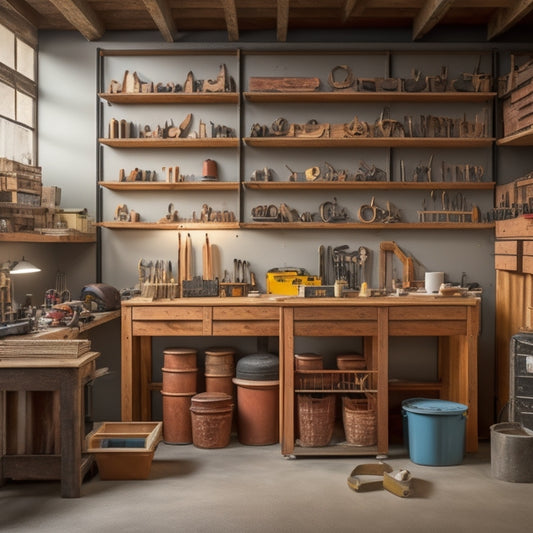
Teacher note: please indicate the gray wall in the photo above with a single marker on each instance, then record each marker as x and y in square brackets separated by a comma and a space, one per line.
[67, 153]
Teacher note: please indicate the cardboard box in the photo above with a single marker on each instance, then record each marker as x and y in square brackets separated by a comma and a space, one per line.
[51, 197]
[76, 221]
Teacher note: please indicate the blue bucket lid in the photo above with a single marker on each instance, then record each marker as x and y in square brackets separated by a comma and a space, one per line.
[433, 407]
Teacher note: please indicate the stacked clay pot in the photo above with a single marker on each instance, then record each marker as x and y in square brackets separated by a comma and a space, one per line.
[179, 386]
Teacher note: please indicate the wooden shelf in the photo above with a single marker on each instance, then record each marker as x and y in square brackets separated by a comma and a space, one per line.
[335, 449]
[368, 142]
[173, 226]
[354, 96]
[39, 237]
[164, 186]
[170, 98]
[373, 226]
[523, 138]
[421, 386]
[216, 142]
[387, 185]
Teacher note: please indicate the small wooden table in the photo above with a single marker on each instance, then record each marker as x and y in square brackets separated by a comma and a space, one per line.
[67, 377]
[59, 383]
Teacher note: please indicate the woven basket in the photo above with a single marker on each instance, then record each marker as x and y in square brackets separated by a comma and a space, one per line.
[316, 418]
[360, 421]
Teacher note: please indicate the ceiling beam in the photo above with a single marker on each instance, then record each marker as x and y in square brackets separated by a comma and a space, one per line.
[81, 15]
[506, 18]
[24, 10]
[353, 8]
[161, 14]
[282, 20]
[429, 16]
[230, 15]
[18, 25]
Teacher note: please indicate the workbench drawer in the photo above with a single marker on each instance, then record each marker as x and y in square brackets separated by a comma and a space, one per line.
[168, 313]
[426, 312]
[246, 313]
[325, 314]
[246, 321]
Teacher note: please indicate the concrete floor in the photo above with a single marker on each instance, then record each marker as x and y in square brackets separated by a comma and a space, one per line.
[255, 489]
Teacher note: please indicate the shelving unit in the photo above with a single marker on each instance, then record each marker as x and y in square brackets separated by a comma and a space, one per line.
[250, 153]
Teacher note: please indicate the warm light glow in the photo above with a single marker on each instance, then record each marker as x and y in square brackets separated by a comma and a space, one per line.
[24, 267]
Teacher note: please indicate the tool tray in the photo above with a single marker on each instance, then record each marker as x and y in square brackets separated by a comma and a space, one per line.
[341, 381]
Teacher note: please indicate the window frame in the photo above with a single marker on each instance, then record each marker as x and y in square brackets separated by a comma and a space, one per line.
[20, 83]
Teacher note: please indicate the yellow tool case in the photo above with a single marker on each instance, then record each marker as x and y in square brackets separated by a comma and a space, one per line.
[287, 280]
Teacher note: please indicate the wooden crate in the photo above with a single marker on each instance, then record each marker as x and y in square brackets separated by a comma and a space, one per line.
[11, 181]
[124, 450]
[518, 102]
[20, 198]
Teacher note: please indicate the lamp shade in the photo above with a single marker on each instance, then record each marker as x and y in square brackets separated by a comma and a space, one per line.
[24, 267]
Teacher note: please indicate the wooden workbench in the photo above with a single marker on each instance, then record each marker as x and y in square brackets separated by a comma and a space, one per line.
[454, 320]
[51, 391]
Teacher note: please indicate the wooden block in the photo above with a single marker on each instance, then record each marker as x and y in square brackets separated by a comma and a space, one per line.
[527, 264]
[506, 262]
[514, 228]
[283, 84]
[527, 247]
[506, 247]
[51, 197]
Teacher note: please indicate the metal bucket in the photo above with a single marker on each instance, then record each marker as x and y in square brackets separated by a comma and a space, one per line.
[511, 452]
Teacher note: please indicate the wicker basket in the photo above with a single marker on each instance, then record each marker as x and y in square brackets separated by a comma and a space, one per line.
[360, 421]
[316, 418]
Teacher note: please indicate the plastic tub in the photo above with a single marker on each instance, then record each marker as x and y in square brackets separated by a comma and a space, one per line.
[436, 431]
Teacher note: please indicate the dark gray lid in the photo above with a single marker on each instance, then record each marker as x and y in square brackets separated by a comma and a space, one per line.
[258, 367]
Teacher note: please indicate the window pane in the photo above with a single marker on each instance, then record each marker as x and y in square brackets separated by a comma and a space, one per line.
[25, 109]
[25, 59]
[16, 142]
[7, 47]
[7, 101]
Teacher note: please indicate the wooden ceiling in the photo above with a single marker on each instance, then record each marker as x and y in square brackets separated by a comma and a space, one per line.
[174, 18]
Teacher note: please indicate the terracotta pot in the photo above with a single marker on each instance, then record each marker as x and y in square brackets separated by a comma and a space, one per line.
[211, 416]
[175, 380]
[177, 426]
[179, 358]
[257, 411]
[219, 362]
[308, 361]
[220, 384]
[351, 362]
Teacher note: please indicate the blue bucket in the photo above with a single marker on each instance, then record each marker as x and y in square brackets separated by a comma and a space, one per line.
[435, 431]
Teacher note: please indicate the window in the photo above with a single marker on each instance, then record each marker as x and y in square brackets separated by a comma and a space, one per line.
[18, 98]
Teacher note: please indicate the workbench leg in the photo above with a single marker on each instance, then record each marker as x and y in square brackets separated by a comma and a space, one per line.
[287, 433]
[145, 377]
[380, 356]
[71, 409]
[2, 434]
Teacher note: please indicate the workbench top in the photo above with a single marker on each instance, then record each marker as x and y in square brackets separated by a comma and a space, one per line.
[296, 301]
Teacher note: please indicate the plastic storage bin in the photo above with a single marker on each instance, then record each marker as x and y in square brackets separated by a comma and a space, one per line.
[435, 431]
